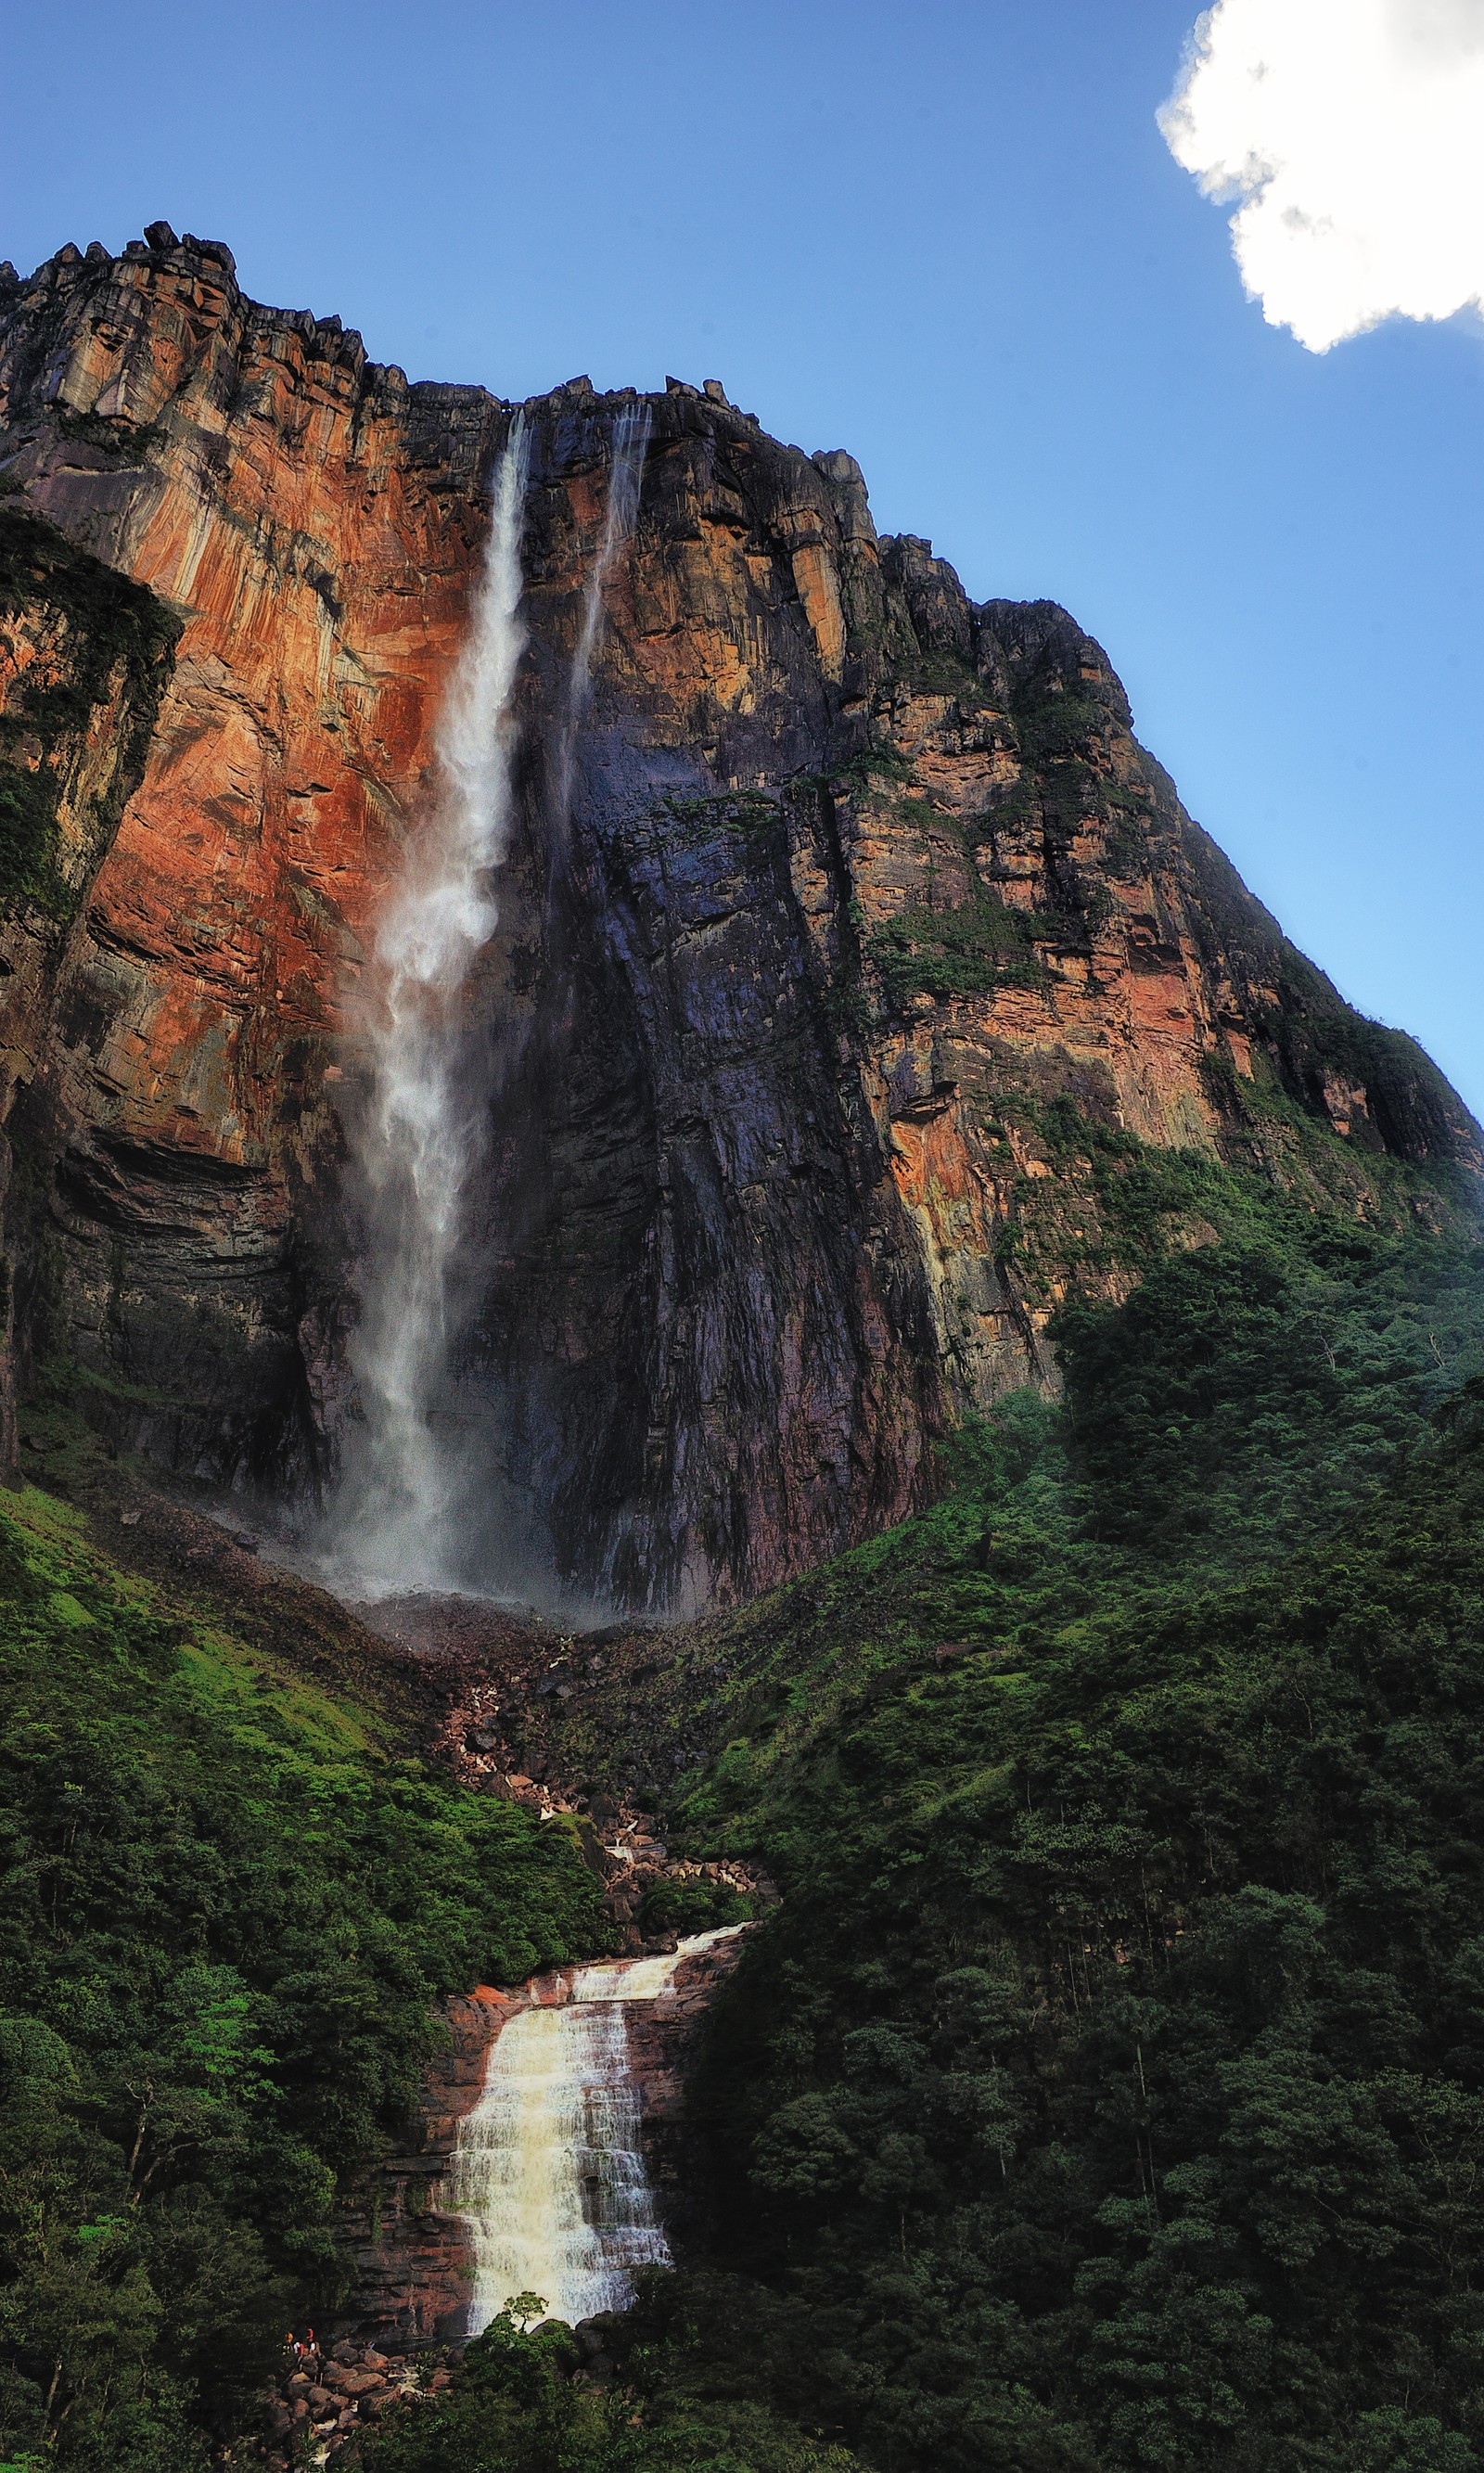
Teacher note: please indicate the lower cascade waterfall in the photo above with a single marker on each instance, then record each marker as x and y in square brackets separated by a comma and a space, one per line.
[549, 2172]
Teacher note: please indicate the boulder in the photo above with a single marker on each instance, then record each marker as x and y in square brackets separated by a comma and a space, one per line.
[352, 2384]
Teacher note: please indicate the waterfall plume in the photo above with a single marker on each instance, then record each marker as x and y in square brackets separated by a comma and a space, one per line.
[399, 1518]
[418, 1138]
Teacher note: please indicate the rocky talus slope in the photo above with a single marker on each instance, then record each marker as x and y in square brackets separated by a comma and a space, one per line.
[866, 923]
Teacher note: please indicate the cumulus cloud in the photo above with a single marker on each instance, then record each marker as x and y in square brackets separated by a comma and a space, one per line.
[1351, 135]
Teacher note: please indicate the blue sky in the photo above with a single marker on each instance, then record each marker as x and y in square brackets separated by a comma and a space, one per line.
[949, 236]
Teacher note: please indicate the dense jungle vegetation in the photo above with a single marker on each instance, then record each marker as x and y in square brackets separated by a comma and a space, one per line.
[225, 1904]
[1108, 2092]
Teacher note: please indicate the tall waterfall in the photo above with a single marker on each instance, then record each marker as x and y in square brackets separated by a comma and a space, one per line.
[549, 2172]
[418, 1136]
[398, 1519]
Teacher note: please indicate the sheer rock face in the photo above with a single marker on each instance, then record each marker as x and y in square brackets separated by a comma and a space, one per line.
[85, 656]
[853, 881]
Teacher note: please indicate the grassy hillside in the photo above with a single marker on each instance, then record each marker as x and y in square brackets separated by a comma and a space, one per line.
[227, 1902]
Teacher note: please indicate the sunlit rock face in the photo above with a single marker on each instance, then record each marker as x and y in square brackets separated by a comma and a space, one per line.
[828, 895]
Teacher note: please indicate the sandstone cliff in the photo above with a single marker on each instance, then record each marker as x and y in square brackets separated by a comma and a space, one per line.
[823, 1015]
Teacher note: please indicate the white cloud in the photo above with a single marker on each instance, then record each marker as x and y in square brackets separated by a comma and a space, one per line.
[1352, 133]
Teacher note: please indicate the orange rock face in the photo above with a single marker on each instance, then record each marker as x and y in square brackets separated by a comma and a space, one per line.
[246, 469]
[865, 923]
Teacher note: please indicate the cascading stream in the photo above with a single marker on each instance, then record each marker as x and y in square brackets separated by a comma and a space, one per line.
[626, 472]
[549, 2170]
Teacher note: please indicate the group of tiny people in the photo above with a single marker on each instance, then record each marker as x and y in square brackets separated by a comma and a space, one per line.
[303, 2353]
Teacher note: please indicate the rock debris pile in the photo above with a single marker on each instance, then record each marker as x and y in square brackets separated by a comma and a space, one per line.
[515, 1693]
[324, 2405]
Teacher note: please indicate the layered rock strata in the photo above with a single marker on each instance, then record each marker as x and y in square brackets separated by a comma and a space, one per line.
[833, 922]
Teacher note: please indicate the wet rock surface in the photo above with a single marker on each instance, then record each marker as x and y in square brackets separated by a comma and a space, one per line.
[517, 1692]
[329, 2398]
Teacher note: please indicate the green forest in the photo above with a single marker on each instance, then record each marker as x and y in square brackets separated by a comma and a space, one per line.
[227, 1902]
[1106, 2092]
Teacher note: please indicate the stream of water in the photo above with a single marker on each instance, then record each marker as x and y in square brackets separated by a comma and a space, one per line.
[399, 1516]
[626, 471]
[415, 1141]
[549, 2170]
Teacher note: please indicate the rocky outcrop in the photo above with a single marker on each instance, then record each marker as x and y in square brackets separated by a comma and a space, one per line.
[329, 2404]
[663, 2046]
[411, 2259]
[865, 922]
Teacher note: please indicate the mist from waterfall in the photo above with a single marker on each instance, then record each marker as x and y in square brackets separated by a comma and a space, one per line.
[549, 2171]
[400, 1517]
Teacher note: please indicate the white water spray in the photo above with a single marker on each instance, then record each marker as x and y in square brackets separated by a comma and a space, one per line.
[420, 1135]
[549, 2171]
[396, 1522]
